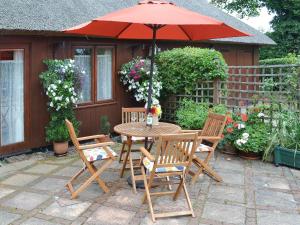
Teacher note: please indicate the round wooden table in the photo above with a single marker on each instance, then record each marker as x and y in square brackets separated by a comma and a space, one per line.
[139, 129]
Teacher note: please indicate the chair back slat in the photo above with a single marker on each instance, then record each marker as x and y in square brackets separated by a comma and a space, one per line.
[214, 125]
[175, 150]
[133, 115]
[72, 133]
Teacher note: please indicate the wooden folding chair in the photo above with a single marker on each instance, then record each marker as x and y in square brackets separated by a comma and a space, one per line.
[173, 158]
[208, 139]
[131, 115]
[89, 154]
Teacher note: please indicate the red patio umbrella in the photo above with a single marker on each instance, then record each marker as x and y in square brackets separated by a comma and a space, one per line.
[156, 20]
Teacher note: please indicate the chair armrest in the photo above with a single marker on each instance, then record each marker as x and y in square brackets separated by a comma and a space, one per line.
[90, 137]
[147, 154]
[82, 147]
[191, 131]
[213, 138]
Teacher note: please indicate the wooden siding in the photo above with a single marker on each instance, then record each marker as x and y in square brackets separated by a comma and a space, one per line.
[43, 47]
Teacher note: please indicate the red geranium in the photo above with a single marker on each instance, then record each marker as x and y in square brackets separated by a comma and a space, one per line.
[229, 129]
[229, 120]
[244, 117]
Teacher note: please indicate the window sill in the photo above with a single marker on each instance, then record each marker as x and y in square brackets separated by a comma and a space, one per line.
[98, 104]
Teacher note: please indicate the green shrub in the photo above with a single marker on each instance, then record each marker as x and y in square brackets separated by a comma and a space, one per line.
[180, 68]
[192, 115]
[289, 59]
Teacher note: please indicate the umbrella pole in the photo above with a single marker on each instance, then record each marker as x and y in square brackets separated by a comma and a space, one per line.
[149, 102]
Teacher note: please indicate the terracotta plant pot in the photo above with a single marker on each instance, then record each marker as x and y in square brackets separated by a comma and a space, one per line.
[250, 155]
[60, 148]
[229, 149]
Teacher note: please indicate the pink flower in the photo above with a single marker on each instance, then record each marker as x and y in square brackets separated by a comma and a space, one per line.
[137, 77]
[132, 72]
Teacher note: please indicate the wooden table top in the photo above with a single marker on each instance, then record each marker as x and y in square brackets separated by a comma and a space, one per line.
[139, 129]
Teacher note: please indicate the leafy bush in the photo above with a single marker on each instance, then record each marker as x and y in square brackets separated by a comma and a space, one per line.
[289, 59]
[180, 68]
[62, 85]
[192, 115]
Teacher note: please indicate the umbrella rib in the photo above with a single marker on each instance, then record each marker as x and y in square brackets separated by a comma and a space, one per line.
[184, 31]
[125, 28]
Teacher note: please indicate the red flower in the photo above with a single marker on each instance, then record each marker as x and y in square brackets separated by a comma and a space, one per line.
[222, 136]
[244, 117]
[229, 129]
[229, 120]
[235, 124]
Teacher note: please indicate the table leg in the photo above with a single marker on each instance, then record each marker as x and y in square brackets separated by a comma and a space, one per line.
[129, 144]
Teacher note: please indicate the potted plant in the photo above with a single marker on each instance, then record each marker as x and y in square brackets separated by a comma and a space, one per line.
[105, 129]
[62, 85]
[235, 124]
[156, 111]
[286, 140]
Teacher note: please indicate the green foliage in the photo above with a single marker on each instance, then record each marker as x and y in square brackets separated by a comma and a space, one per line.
[62, 84]
[180, 68]
[104, 125]
[56, 129]
[192, 115]
[289, 59]
[285, 24]
[257, 141]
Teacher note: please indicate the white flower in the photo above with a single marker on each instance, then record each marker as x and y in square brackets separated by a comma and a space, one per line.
[58, 108]
[54, 94]
[244, 141]
[51, 104]
[56, 98]
[245, 135]
[59, 81]
[238, 142]
[260, 115]
[241, 126]
[67, 99]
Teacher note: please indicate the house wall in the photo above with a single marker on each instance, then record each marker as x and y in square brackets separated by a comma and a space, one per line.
[38, 48]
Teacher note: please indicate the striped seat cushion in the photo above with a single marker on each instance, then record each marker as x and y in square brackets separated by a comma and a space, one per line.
[95, 154]
[149, 166]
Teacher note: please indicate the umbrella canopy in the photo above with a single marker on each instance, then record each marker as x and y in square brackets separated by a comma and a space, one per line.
[176, 24]
[156, 20]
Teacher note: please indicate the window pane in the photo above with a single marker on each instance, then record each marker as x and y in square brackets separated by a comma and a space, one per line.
[104, 74]
[11, 97]
[83, 59]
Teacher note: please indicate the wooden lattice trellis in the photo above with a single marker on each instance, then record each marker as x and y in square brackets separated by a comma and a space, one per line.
[246, 86]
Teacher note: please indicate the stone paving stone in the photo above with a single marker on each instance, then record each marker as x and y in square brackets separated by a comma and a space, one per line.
[265, 217]
[90, 193]
[13, 167]
[7, 218]
[36, 221]
[20, 179]
[262, 168]
[51, 184]
[110, 216]
[25, 200]
[271, 182]
[68, 171]
[224, 213]
[42, 168]
[296, 173]
[275, 199]
[184, 220]
[230, 165]
[61, 161]
[126, 197]
[66, 209]
[5, 191]
[227, 193]
[232, 177]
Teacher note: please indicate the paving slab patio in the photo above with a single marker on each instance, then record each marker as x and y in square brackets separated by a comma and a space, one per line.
[253, 193]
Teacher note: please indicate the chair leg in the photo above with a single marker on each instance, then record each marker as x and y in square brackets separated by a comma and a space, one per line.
[101, 182]
[95, 176]
[203, 166]
[147, 193]
[188, 199]
[132, 174]
[129, 144]
[122, 152]
[178, 189]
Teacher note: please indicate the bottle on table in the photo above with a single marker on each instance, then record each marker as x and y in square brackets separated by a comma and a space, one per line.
[149, 120]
